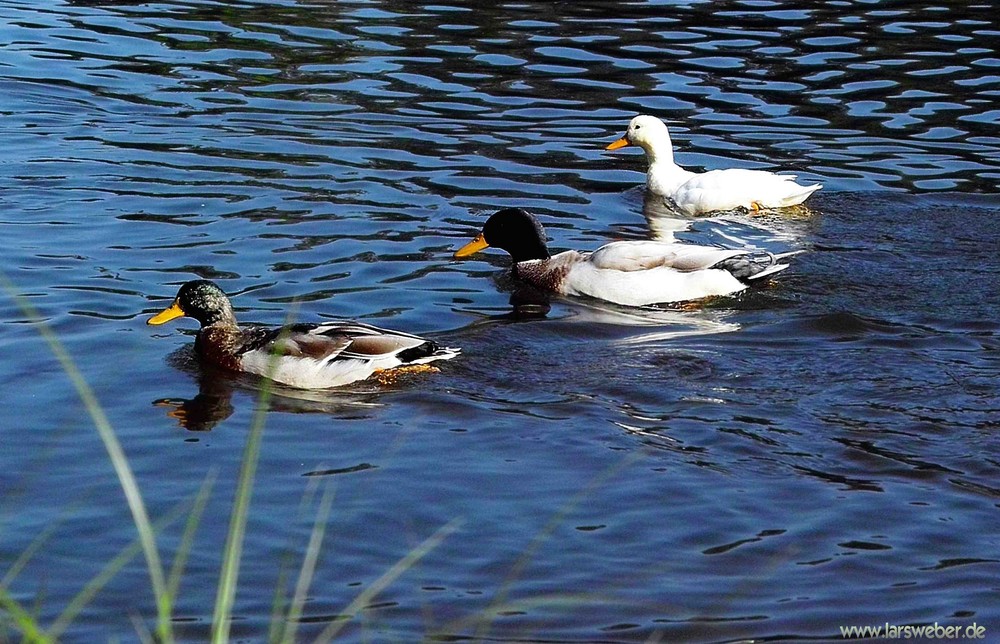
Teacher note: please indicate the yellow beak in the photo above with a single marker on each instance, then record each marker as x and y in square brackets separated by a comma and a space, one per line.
[620, 143]
[167, 314]
[472, 247]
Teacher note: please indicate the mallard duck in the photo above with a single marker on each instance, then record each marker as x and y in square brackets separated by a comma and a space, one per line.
[695, 194]
[307, 356]
[635, 273]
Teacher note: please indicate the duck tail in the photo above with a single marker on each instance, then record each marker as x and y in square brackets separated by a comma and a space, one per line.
[799, 196]
[427, 352]
[791, 253]
[773, 264]
[755, 265]
[767, 271]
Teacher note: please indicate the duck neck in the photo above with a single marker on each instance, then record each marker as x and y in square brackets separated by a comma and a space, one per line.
[530, 270]
[528, 251]
[660, 150]
[660, 154]
[220, 343]
[221, 317]
[664, 176]
[527, 262]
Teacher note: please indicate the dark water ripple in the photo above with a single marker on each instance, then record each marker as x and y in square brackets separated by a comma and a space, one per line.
[813, 454]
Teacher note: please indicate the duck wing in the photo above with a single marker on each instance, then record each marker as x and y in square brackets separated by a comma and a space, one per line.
[369, 343]
[642, 273]
[629, 256]
[334, 341]
[304, 341]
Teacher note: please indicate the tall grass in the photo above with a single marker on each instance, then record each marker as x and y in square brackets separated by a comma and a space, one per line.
[140, 517]
[233, 551]
[166, 587]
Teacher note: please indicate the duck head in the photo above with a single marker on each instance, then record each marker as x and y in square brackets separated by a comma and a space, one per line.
[514, 230]
[650, 134]
[200, 299]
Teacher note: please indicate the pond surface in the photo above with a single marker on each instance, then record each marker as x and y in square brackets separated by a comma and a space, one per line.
[818, 453]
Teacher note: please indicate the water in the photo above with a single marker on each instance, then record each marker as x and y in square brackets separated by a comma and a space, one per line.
[814, 454]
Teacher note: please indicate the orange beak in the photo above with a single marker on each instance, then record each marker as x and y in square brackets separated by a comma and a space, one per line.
[167, 314]
[620, 143]
[472, 247]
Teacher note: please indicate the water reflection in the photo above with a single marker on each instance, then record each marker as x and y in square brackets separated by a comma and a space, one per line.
[745, 228]
[528, 302]
[669, 321]
[663, 221]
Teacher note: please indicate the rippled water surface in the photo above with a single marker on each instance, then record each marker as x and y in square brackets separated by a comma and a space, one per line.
[816, 453]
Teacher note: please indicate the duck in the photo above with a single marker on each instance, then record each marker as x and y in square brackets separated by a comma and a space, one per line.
[631, 273]
[304, 356]
[693, 193]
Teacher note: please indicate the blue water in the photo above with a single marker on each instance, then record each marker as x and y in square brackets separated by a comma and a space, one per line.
[816, 453]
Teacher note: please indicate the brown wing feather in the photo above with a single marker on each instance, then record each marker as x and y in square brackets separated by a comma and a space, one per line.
[330, 341]
[377, 345]
[316, 347]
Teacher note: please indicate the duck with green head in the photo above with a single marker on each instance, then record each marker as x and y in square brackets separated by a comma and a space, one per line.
[307, 356]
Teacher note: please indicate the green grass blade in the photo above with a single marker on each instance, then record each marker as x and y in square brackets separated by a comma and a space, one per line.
[92, 587]
[25, 556]
[22, 619]
[115, 452]
[308, 565]
[389, 576]
[276, 630]
[140, 628]
[233, 552]
[110, 569]
[279, 623]
[187, 539]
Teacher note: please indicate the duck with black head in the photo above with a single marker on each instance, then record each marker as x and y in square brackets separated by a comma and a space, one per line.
[634, 273]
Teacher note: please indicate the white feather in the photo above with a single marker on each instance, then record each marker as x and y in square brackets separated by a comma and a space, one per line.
[639, 255]
[307, 373]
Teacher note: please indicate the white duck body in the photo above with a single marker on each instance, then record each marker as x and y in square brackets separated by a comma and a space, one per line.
[692, 193]
[640, 273]
[735, 188]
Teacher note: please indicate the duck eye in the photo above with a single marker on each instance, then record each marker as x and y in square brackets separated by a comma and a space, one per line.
[638, 127]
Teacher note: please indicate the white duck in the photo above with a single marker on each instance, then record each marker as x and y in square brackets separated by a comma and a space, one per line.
[634, 273]
[695, 194]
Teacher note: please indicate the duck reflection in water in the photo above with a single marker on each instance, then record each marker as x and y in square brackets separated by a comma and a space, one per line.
[214, 401]
[527, 302]
[762, 227]
[663, 222]
[658, 323]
